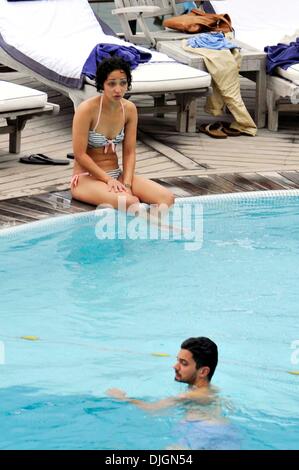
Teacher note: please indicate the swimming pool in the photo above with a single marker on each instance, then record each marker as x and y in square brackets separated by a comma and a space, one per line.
[101, 308]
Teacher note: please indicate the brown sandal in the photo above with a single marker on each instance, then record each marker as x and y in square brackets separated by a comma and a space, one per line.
[213, 130]
[225, 127]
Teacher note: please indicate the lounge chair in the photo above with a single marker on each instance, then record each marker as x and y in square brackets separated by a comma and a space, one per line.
[263, 23]
[129, 11]
[18, 104]
[52, 40]
[169, 42]
[134, 13]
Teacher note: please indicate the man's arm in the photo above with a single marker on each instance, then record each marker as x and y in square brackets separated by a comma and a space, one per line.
[201, 396]
[157, 405]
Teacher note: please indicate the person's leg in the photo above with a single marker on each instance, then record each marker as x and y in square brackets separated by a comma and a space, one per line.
[159, 198]
[151, 192]
[96, 192]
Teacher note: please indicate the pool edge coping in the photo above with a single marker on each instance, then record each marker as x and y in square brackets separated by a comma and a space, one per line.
[62, 219]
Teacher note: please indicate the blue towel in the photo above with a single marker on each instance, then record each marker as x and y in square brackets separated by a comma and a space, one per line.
[211, 41]
[104, 51]
[282, 55]
[188, 6]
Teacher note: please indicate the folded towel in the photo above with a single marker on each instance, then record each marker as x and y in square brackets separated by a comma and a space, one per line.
[215, 40]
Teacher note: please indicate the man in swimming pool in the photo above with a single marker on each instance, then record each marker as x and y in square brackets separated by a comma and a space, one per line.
[203, 426]
[195, 366]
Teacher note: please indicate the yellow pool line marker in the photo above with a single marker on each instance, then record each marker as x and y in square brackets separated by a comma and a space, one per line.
[293, 372]
[158, 354]
[30, 338]
[36, 338]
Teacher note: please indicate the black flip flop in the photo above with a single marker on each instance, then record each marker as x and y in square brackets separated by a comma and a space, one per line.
[41, 159]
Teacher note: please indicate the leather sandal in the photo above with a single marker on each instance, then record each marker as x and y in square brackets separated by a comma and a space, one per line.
[229, 131]
[213, 130]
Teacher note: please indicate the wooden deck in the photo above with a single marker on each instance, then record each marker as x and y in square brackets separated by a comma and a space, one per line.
[190, 164]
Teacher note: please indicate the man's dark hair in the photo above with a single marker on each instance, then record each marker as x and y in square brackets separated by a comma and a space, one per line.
[109, 65]
[204, 352]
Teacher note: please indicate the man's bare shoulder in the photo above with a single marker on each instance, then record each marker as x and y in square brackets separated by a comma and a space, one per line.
[202, 395]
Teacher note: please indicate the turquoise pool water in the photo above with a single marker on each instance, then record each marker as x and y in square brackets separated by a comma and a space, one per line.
[101, 308]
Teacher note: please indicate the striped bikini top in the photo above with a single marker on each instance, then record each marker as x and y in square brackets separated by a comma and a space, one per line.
[96, 140]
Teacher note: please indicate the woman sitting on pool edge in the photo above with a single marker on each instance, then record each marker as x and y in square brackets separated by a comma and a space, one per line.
[100, 123]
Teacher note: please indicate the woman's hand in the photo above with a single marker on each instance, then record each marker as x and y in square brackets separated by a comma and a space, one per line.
[115, 186]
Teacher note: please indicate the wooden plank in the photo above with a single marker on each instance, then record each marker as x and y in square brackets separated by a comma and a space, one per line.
[169, 152]
[35, 188]
[226, 185]
[150, 162]
[64, 198]
[285, 151]
[176, 189]
[245, 183]
[284, 182]
[33, 191]
[6, 221]
[204, 184]
[31, 204]
[24, 210]
[217, 171]
[157, 167]
[52, 173]
[291, 175]
[20, 171]
[19, 217]
[265, 183]
[193, 187]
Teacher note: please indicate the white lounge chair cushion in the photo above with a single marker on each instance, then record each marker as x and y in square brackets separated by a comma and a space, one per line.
[14, 97]
[291, 73]
[261, 23]
[171, 76]
[50, 34]
[58, 35]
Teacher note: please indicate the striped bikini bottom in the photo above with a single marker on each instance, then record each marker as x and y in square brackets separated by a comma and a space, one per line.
[113, 173]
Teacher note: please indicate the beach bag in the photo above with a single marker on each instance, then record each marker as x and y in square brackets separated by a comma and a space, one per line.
[199, 22]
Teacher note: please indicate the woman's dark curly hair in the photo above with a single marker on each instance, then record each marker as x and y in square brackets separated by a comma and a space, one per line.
[109, 65]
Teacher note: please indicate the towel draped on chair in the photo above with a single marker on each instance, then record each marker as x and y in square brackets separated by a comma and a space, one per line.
[282, 55]
[104, 51]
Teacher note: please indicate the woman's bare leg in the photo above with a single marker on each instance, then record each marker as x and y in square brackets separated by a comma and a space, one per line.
[151, 192]
[159, 198]
[95, 192]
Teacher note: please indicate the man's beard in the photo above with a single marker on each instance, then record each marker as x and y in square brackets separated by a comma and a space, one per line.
[179, 379]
